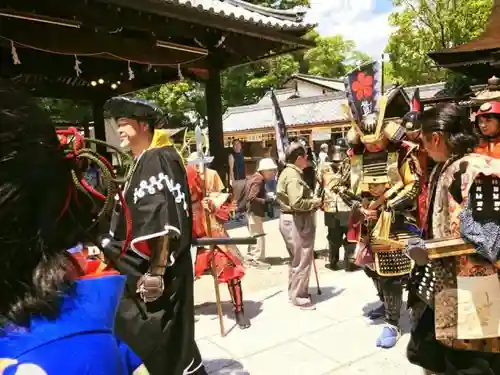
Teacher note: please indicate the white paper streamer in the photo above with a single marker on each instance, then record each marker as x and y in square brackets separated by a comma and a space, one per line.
[131, 74]
[78, 70]
[179, 72]
[13, 51]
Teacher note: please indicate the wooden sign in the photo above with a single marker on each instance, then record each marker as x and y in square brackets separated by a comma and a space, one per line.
[321, 134]
[254, 138]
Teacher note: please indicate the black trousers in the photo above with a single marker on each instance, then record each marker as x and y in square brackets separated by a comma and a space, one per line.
[390, 292]
[425, 351]
[163, 338]
[337, 237]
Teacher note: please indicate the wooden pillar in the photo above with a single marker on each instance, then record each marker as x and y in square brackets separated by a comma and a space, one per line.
[213, 99]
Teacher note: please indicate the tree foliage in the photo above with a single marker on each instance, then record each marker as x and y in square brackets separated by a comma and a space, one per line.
[66, 111]
[431, 25]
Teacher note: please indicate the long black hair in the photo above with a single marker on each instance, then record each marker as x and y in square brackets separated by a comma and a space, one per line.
[41, 214]
[453, 121]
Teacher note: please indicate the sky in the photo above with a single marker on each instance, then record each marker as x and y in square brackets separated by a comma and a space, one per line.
[363, 21]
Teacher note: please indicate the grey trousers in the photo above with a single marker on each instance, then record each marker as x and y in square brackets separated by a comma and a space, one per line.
[298, 231]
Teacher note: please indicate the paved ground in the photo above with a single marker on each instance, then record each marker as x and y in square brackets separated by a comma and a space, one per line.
[333, 340]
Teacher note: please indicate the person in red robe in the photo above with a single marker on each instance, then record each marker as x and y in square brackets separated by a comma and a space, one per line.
[487, 119]
[488, 125]
[216, 207]
[412, 124]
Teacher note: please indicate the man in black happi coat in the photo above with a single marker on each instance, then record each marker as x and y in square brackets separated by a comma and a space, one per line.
[156, 315]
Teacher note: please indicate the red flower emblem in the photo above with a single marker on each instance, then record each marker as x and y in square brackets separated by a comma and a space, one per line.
[363, 86]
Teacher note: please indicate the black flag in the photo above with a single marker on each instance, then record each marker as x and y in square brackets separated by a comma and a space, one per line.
[280, 128]
[363, 90]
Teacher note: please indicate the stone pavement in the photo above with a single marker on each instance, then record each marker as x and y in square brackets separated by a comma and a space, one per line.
[335, 339]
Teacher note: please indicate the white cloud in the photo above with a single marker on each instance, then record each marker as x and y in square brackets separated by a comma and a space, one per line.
[354, 20]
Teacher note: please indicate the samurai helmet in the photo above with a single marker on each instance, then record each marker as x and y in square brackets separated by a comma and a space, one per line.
[339, 150]
[411, 121]
[135, 108]
[366, 105]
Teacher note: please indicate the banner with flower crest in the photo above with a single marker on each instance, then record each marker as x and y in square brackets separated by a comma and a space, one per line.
[363, 90]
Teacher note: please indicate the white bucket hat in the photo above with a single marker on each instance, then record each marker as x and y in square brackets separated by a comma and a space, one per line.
[266, 164]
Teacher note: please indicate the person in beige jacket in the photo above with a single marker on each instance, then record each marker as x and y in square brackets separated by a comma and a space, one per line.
[297, 224]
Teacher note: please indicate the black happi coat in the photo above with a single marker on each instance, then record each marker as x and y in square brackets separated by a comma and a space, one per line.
[160, 205]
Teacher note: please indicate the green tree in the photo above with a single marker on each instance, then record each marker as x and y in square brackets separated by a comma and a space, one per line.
[430, 25]
[389, 75]
[280, 4]
[65, 110]
[328, 57]
[183, 102]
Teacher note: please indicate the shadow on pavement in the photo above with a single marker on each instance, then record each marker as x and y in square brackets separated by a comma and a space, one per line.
[252, 309]
[224, 367]
[370, 306]
[277, 261]
[404, 322]
[327, 293]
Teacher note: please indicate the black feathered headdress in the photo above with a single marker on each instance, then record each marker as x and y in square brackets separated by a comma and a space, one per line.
[135, 108]
[411, 121]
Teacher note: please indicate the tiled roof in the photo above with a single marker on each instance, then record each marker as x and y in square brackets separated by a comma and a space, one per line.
[241, 10]
[331, 83]
[281, 95]
[300, 111]
[322, 109]
[426, 91]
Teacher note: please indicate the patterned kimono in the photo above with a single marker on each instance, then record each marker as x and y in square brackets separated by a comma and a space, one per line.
[441, 340]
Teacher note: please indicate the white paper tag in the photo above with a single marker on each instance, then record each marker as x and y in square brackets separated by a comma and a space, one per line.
[93, 251]
[478, 314]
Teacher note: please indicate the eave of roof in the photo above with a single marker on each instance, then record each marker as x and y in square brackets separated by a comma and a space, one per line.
[489, 40]
[292, 20]
[329, 83]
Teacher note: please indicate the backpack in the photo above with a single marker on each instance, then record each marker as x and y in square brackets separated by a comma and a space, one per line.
[240, 195]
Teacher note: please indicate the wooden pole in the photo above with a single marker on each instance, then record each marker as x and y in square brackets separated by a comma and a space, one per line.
[212, 259]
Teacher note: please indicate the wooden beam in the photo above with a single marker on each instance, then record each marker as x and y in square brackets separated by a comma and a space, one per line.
[91, 42]
[60, 91]
[107, 18]
[113, 19]
[58, 67]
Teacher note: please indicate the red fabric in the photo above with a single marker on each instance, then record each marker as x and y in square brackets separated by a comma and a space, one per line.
[228, 266]
[423, 160]
[353, 230]
[143, 248]
[489, 148]
[493, 109]
[90, 267]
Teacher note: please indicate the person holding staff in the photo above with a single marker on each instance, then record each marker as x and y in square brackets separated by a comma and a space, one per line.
[297, 224]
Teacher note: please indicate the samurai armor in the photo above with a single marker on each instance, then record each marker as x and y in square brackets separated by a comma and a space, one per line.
[390, 257]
